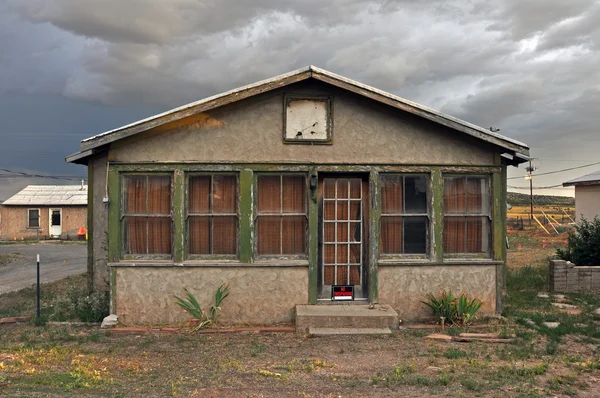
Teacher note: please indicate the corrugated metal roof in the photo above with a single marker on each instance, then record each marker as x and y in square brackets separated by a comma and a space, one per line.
[90, 145]
[587, 179]
[50, 195]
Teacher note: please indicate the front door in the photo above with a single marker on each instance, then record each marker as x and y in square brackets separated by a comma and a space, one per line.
[55, 222]
[343, 203]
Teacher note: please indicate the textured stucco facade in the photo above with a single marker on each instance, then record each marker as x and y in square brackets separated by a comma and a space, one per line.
[14, 221]
[251, 131]
[258, 295]
[247, 137]
[587, 201]
[404, 287]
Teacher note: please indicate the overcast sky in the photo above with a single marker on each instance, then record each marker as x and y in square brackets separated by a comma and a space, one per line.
[70, 69]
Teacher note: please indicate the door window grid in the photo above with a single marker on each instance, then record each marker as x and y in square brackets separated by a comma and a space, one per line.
[337, 239]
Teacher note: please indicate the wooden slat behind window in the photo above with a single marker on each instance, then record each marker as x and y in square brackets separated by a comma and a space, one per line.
[212, 223]
[281, 215]
[391, 195]
[269, 235]
[135, 195]
[454, 196]
[145, 196]
[454, 235]
[391, 235]
[199, 194]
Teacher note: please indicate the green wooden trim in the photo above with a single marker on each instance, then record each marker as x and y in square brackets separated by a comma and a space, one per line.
[246, 235]
[437, 214]
[90, 226]
[305, 167]
[375, 215]
[313, 244]
[114, 215]
[178, 216]
[504, 220]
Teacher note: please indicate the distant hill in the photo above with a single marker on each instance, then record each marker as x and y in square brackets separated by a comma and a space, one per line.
[520, 199]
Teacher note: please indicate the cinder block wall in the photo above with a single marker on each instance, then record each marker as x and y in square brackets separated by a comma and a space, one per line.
[564, 276]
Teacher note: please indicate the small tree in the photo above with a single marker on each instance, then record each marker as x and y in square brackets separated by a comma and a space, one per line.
[583, 247]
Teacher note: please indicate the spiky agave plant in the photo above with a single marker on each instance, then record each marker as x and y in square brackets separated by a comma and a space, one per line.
[191, 306]
[466, 309]
[222, 293]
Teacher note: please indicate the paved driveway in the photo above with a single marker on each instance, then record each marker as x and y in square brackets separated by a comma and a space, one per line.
[57, 261]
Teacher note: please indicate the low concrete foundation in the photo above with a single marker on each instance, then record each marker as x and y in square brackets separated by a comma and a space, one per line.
[345, 316]
[564, 276]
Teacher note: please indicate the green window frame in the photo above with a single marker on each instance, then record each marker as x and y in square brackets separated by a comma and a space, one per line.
[146, 219]
[405, 220]
[289, 216]
[467, 221]
[208, 218]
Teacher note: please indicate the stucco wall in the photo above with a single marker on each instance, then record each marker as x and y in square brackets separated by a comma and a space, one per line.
[13, 222]
[404, 287]
[100, 220]
[259, 295]
[251, 131]
[587, 201]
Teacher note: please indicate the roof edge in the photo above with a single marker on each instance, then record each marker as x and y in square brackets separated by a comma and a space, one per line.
[88, 145]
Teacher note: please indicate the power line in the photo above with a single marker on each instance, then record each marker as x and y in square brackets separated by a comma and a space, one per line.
[558, 171]
[17, 174]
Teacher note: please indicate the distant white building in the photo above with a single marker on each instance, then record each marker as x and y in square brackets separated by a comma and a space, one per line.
[587, 195]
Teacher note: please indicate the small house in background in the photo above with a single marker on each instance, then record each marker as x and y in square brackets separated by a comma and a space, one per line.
[45, 212]
[291, 190]
[587, 195]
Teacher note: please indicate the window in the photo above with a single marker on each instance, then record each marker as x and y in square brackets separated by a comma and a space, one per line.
[281, 220]
[147, 222]
[467, 215]
[404, 214]
[33, 218]
[212, 214]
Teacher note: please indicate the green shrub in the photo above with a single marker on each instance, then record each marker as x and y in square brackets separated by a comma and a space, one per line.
[583, 246]
[80, 304]
[450, 309]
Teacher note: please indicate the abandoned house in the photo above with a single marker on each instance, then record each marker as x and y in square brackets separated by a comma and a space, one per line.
[291, 189]
[45, 212]
[587, 195]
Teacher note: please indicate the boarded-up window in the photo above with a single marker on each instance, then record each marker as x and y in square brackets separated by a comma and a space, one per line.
[212, 214]
[467, 215]
[404, 214]
[281, 220]
[33, 218]
[147, 214]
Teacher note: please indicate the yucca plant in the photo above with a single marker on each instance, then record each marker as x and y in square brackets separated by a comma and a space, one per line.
[450, 309]
[191, 306]
[222, 293]
[442, 307]
[466, 309]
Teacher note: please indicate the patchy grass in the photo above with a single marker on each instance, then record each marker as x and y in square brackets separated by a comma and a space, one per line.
[23, 302]
[64, 360]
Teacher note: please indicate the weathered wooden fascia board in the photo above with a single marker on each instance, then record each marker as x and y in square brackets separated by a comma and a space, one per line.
[444, 120]
[192, 109]
[291, 166]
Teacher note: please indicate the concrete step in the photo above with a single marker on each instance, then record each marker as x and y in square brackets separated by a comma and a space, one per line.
[345, 315]
[346, 331]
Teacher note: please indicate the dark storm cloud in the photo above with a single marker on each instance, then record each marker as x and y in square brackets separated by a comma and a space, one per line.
[527, 67]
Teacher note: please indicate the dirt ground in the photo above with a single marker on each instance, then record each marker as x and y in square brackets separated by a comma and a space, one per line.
[58, 361]
[564, 361]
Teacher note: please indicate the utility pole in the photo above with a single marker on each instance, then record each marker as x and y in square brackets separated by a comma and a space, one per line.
[530, 170]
